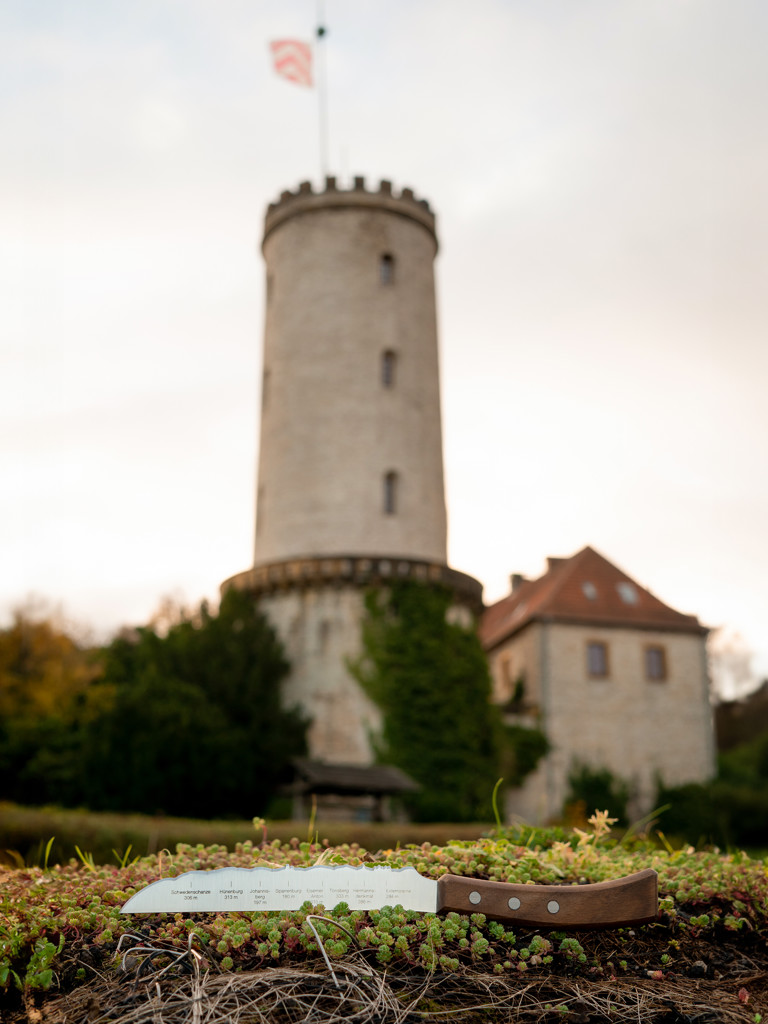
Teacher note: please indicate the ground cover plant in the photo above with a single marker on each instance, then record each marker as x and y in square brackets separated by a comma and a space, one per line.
[67, 954]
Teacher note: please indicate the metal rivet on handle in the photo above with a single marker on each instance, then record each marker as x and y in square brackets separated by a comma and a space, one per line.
[514, 903]
[474, 897]
[553, 906]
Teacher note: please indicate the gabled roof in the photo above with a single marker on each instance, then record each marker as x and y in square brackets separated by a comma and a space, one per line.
[349, 779]
[583, 589]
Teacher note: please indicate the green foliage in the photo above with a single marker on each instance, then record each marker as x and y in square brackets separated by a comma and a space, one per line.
[186, 722]
[522, 749]
[597, 789]
[746, 764]
[195, 725]
[39, 971]
[430, 678]
[45, 675]
[48, 920]
[41, 666]
[731, 810]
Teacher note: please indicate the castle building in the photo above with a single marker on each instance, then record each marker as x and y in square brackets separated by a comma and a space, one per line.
[350, 487]
[614, 678]
[350, 496]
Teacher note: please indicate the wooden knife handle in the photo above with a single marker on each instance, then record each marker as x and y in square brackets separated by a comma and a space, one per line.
[622, 901]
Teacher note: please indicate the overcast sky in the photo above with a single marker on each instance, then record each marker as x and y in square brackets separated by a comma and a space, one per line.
[599, 170]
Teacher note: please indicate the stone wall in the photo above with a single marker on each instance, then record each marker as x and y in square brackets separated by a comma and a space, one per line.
[332, 428]
[317, 607]
[640, 729]
[320, 629]
[350, 485]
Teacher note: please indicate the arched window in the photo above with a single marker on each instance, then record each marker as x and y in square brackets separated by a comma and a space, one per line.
[387, 268]
[390, 493]
[388, 364]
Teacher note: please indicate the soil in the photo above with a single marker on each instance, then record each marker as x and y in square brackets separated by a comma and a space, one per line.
[705, 978]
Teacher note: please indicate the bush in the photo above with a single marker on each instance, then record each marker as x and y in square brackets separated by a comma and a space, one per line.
[597, 789]
[732, 810]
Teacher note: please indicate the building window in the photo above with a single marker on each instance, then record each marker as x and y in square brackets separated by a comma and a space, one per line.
[390, 493]
[388, 364]
[597, 659]
[260, 509]
[655, 663]
[323, 635]
[387, 268]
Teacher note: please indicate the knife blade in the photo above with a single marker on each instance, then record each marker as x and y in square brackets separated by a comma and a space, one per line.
[632, 899]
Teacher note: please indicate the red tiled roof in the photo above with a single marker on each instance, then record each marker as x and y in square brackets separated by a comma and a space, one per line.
[585, 588]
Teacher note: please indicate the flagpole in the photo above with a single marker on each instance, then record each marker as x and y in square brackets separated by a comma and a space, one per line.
[322, 96]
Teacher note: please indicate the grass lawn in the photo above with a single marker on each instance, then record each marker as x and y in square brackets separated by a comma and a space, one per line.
[26, 831]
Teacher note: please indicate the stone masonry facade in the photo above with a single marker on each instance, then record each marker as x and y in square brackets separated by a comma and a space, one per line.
[616, 682]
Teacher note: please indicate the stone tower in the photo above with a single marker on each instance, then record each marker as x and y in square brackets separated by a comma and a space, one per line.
[350, 484]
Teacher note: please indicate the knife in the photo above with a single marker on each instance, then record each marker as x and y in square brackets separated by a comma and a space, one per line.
[632, 899]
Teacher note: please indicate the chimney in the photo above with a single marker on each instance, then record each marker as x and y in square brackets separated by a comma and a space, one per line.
[516, 580]
[553, 563]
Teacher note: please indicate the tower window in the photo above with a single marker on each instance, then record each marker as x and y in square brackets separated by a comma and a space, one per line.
[388, 363]
[655, 663]
[390, 493]
[260, 509]
[323, 635]
[597, 660]
[387, 268]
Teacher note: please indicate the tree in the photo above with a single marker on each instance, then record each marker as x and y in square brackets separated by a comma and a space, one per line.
[194, 724]
[430, 678]
[42, 666]
[45, 676]
[183, 715]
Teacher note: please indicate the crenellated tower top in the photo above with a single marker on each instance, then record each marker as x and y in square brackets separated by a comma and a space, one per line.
[306, 200]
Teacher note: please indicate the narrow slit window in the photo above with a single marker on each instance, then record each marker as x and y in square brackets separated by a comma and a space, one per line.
[260, 509]
[597, 660]
[388, 365]
[390, 493]
[387, 268]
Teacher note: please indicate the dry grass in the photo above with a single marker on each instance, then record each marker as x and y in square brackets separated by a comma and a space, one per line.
[359, 995]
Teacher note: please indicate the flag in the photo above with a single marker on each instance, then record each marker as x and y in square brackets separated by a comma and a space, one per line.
[293, 60]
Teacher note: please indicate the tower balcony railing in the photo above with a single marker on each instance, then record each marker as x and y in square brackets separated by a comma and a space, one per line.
[354, 570]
